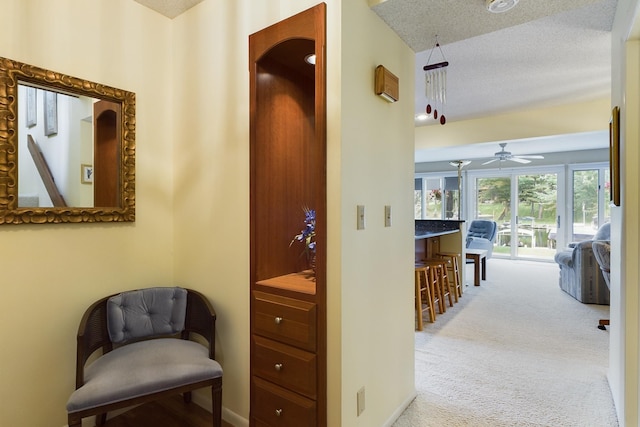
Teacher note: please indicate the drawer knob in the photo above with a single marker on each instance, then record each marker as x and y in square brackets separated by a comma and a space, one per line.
[278, 320]
[278, 412]
[278, 366]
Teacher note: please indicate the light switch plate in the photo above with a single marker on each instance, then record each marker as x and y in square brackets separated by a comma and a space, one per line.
[360, 401]
[360, 220]
[387, 216]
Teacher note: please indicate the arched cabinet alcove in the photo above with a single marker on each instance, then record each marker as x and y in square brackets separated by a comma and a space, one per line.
[288, 163]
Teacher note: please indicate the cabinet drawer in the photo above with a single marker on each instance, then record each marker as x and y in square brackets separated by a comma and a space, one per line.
[275, 406]
[288, 320]
[284, 365]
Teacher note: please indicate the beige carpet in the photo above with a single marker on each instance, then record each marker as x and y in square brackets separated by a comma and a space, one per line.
[516, 351]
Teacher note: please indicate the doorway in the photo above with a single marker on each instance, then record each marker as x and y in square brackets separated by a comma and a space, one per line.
[525, 206]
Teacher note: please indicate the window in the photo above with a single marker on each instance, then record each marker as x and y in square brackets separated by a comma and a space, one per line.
[590, 205]
[436, 197]
[529, 204]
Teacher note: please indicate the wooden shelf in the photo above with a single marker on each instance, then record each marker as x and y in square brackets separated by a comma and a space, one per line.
[303, 282]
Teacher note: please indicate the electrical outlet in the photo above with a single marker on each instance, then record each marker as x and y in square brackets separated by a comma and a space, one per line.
[360, 223]
[361, 401]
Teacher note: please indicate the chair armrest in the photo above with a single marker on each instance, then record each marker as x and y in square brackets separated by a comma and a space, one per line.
[200, 319]
[564, 258]
[92, 335]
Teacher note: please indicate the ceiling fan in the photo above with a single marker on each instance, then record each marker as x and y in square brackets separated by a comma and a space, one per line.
[504, 155]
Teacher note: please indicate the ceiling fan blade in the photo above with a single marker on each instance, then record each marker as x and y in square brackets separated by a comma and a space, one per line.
[519, 160]
[490, 161]
[533, 156]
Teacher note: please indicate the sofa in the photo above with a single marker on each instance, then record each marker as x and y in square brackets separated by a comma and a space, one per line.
[580, 274]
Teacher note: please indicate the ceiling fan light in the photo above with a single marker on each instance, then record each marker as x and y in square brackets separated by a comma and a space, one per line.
[459, 163]
[499, 6]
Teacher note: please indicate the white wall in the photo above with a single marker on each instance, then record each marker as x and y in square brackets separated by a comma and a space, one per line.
[51, 273]
[624, 357]
[579, 117]
[375, 169]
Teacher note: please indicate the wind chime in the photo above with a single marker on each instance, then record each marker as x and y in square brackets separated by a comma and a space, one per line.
[436, 85]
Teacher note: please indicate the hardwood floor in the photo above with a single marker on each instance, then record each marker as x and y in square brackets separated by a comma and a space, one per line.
[170, 412]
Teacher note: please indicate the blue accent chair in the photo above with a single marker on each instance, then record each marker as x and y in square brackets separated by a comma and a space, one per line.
[482, 235]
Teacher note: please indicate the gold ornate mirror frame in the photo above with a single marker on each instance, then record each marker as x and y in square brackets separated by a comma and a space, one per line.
[11, 74]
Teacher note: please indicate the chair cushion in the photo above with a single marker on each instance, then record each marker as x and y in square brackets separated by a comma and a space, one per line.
[141, 368]
[146, 313]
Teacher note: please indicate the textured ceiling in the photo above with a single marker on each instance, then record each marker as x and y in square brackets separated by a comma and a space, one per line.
[540, 53]
[169, 8]
[418, 21]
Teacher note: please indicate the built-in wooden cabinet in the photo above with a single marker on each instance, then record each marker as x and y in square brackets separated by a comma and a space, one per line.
[288, 163]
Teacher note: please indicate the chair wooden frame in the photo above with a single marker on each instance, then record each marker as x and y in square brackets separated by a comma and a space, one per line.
[93, 335]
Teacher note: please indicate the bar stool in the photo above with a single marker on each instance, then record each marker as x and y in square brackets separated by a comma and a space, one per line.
[433, 279]
[424, 295]
[438, 291]
[454, 270]
[442, 280]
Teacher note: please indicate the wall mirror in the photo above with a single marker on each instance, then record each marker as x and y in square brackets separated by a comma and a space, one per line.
[67, 148]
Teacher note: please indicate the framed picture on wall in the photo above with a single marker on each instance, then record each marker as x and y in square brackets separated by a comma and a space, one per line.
[86, 174]
[50, 113]
[32, 107]
[614, 156]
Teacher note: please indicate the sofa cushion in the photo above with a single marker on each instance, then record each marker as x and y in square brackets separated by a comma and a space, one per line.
[143, 367]
[604, 232]
[146, 313]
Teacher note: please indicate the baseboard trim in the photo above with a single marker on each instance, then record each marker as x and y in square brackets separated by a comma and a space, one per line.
[204, 401]
[396, 414]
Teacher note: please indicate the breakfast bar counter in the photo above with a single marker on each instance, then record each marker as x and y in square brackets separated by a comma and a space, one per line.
[435, 236]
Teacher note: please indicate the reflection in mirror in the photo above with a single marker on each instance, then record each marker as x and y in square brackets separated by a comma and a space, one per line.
[55, 161]
[67, 148]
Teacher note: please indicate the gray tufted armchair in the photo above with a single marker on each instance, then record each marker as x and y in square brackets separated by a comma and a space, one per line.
[146, 352]
[580, 275]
